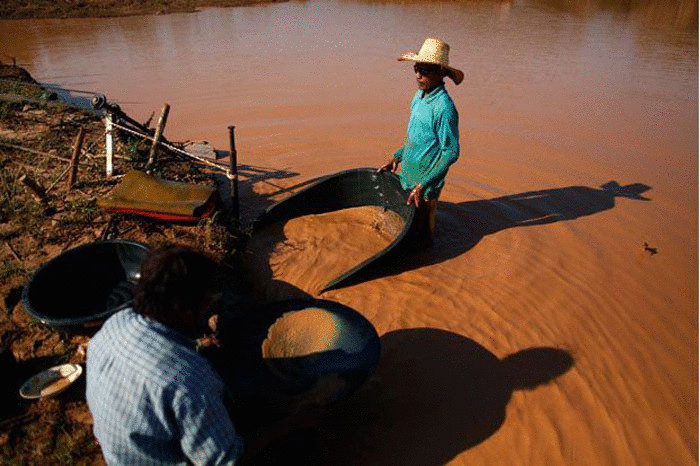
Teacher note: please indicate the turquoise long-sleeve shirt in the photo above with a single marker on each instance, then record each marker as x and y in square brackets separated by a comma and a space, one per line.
[432, 142]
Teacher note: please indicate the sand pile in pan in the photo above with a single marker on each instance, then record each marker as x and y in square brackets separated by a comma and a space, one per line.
[309, 331]
[309, 251]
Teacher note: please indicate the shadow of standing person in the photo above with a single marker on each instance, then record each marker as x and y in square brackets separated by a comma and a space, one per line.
[435, 394]
[546, 206]
[461, 226]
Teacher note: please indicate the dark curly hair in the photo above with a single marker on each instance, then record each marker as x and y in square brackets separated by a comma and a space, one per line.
[173, 279]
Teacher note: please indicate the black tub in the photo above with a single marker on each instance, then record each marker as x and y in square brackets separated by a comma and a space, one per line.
[294, 383]
[350, 188]
[84, 286]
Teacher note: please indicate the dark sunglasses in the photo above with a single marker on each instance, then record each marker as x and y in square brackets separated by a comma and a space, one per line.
[426, 69]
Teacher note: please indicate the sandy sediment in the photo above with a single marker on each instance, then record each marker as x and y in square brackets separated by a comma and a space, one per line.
[307, 252]
[308, 331]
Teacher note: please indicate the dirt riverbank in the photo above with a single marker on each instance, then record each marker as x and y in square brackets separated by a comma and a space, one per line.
[36, 142]
[16, 9]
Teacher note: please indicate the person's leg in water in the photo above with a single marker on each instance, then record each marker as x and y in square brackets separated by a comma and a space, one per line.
[424, 223]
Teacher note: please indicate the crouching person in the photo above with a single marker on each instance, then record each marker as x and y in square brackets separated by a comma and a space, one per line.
[153, 398]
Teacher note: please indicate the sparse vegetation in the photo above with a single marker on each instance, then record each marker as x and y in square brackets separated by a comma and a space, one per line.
[36, 141]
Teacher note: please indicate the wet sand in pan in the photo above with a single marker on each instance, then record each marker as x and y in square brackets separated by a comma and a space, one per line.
[309, 251]
[312, 330]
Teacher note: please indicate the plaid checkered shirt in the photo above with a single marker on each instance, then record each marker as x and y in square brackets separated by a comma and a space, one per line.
[154, 400]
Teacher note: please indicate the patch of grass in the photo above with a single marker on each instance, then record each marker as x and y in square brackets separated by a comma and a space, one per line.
[7, 109]
[10, 199]
[135, 149]
[24, 88]
[80, 212]
[10, 268]
[213, 236]
[30, 216]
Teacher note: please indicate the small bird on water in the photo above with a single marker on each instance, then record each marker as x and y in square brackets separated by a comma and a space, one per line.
[649, 249]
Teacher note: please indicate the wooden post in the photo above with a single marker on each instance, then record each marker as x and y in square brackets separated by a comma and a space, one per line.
[76, 155]
[37, 191]
[109, 144]
[234, 182]
[159, 132]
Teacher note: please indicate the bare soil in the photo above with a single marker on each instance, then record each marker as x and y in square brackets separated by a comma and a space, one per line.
[37, 141]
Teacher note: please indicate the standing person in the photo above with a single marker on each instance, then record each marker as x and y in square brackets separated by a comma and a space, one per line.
[432, 142]
[153, 398]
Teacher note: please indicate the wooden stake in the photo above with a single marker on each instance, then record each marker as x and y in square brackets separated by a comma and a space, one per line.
[37, 191]
[74, 160]
[109, 144]
[159, 133]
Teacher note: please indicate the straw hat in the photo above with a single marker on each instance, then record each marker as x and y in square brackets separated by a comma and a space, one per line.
[436, 52]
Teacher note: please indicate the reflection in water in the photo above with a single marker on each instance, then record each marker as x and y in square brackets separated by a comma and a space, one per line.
[680, 15]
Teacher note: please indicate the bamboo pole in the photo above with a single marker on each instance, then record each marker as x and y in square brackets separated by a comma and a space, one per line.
[76, 154]
[159, 133]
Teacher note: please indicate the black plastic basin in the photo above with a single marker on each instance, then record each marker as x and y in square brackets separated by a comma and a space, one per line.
[290, 384]
[350, 188]
[84, 286]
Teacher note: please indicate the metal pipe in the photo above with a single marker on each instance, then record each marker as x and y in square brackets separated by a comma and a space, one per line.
[235, 213]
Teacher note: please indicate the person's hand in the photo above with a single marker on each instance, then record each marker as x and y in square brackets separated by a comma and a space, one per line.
[208, 341]
[392, 165]
[213, 323]
[416, 196]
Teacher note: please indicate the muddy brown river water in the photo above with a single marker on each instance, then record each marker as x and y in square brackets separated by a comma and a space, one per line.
[579, 132]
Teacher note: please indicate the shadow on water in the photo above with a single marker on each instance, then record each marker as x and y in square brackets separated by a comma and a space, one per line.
[461, 226]
[253, 203]
[435, 394]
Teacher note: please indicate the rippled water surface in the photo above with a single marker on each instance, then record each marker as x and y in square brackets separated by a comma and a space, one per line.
[579, 133]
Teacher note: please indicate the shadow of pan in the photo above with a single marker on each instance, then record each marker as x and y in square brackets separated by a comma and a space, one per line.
[435, 395]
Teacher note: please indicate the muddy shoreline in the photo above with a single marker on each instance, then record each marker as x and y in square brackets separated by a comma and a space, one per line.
[17, 9]
[36, 140]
